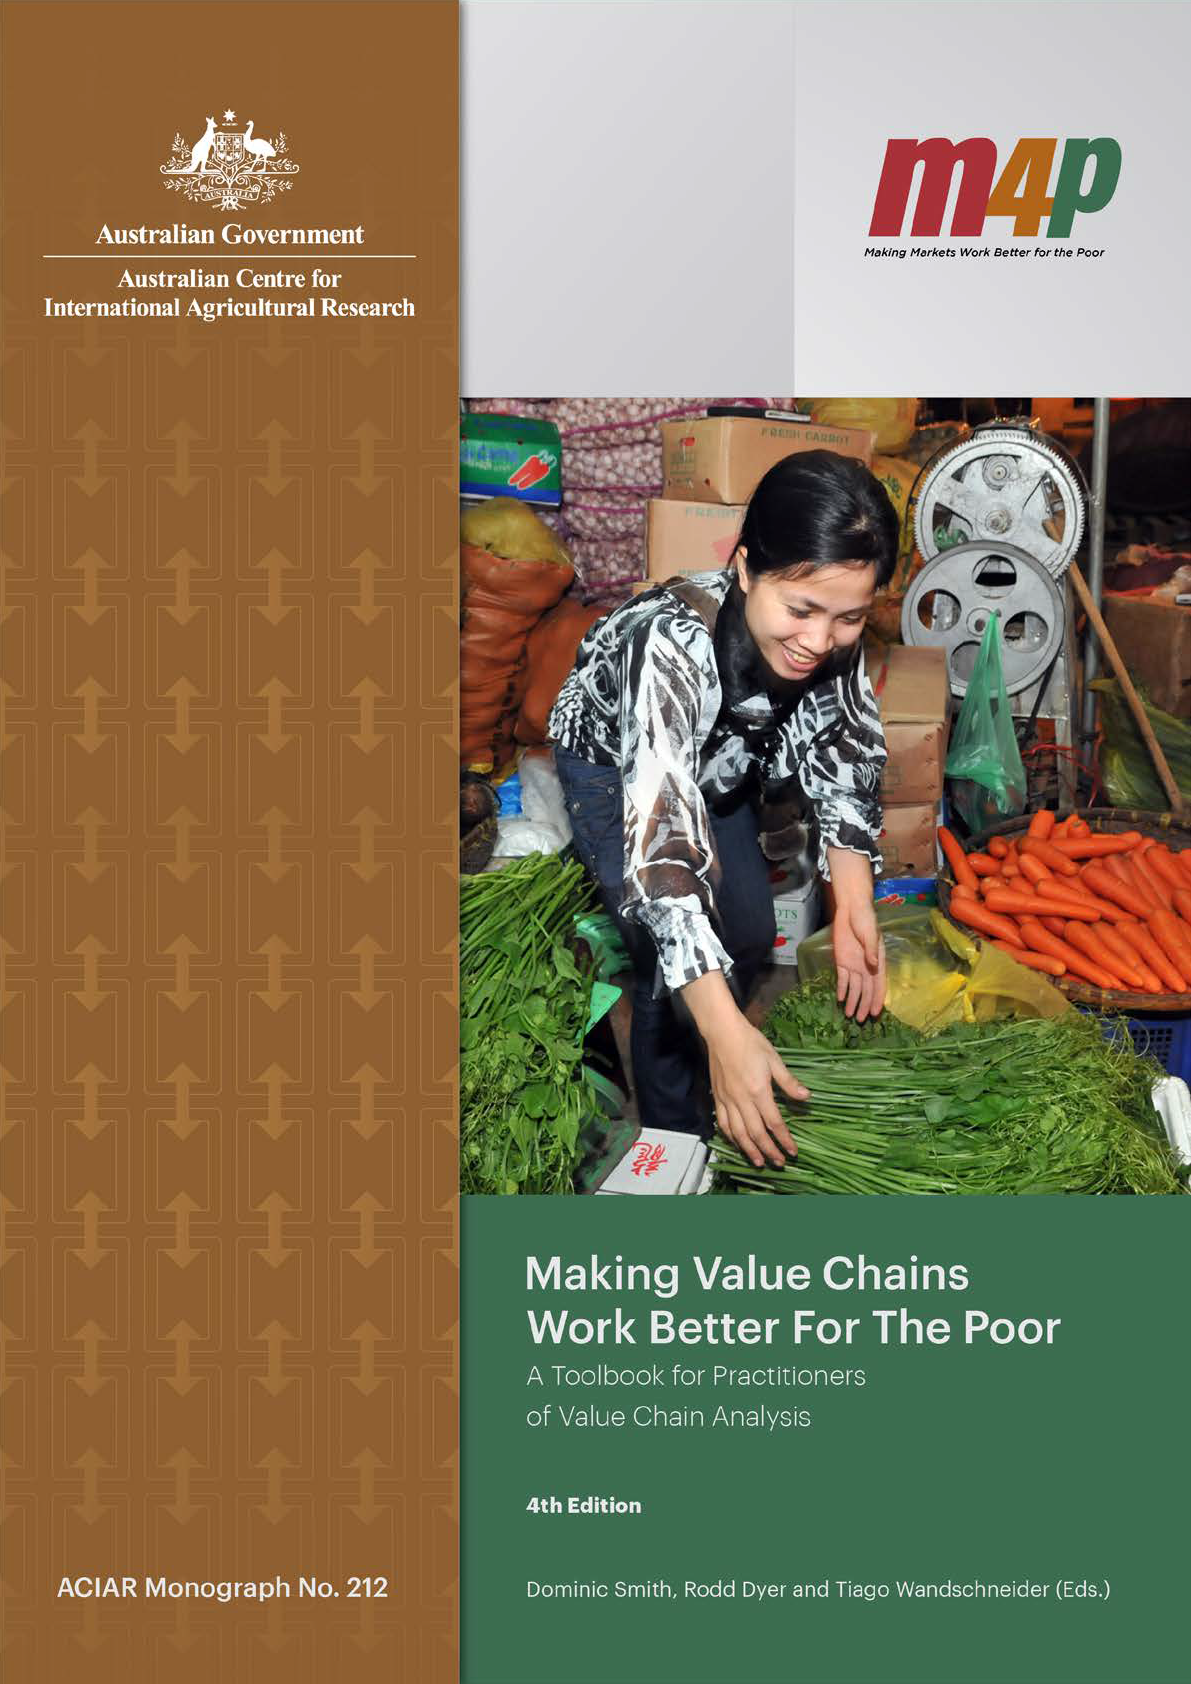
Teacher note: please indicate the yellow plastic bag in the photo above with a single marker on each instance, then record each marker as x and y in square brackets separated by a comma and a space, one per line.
[999, 987]
[891, 420]
[936, 974]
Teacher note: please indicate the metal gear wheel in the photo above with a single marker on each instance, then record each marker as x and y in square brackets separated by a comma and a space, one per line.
[1005, 485]
[951, 600]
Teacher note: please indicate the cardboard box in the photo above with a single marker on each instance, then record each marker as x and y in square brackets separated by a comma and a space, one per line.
[720, 459]
[797, 906]
[690, 537]
[659, 1161]
[914, 696]
[907, 891]
[798, 914]
[1154, 639]
[907, 844]
[914, 770]
[510, 456]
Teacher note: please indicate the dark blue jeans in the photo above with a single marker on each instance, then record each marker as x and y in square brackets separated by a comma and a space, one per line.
[669, 1061]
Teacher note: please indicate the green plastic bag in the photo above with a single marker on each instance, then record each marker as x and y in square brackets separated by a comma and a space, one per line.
[1130, 778]
[989, 780]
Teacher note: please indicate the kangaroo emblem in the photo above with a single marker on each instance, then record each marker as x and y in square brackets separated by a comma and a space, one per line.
[200, 150]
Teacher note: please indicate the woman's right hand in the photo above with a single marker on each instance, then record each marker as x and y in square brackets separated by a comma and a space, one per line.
[744, 1068]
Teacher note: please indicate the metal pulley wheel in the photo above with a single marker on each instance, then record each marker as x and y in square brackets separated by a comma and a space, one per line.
[949, 604]
[1006, 485]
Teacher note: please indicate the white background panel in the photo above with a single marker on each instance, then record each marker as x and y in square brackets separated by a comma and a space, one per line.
[626, 179]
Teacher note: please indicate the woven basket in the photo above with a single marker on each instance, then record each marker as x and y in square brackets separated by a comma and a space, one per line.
[1164, 828]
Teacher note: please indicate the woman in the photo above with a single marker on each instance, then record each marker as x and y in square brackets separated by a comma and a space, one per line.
[693, 714]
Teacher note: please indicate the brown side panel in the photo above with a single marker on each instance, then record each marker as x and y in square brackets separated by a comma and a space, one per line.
[227, 817]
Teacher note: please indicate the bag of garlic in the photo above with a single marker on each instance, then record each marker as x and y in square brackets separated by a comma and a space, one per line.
[638, 466]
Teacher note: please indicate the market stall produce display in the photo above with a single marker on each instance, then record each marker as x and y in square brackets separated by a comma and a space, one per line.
[524, 1098]
[1103, 899]
[1031, 1105]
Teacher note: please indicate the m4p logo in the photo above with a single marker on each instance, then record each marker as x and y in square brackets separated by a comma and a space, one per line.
[1087, 179]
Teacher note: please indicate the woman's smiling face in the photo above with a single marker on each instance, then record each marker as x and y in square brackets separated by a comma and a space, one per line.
[798, 619]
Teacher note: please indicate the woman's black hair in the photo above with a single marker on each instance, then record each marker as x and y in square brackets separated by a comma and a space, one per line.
[818, 509]
[813, 510]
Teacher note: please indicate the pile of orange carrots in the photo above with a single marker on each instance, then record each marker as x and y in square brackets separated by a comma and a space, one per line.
[1113, 910]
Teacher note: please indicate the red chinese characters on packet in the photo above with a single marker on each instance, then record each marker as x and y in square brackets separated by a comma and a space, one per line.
[648, 1159]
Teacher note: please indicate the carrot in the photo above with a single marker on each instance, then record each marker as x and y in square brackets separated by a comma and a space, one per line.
[1041, 825]
[1147, 877]
[1140, 879]
[1011, 865]
[998, 847]
[1164, 927]
[1059, 906]
[1090, 945]
[1012, 898]
[1183, 860]
[963, 892]
[1069, 891]
[977, 918]
[1052, 857]
[1092, 847]
[1182, 903]
[1055, 925]
[956, 858]
[1129, 958]
[1034, 870]
[1164, 930]
[1120, 867]
[1079, 827]
[1073, 888]
[1160, 862]
[1062, 891]
[1016, 901]
[1036, 961]
[1109, 887]
[1043, 942]
[984, 865]
[1140, 939]
[1061, 829]
[1116, 864]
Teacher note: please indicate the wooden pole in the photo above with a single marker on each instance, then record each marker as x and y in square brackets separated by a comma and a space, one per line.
[1136, 707]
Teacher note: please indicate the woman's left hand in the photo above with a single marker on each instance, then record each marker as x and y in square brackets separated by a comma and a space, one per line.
[859, 959]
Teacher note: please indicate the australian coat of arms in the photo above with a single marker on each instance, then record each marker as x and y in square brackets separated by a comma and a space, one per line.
[229, 166]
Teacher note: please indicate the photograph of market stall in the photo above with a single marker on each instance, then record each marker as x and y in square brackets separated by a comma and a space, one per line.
[823, 795]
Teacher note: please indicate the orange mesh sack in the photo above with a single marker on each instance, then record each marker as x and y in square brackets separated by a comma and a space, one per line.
[503, 596]
[550, 652]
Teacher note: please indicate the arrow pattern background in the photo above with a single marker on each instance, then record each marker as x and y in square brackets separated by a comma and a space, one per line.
[227, 879]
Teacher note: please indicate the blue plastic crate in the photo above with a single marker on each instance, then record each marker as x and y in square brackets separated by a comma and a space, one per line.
[1168, 1039]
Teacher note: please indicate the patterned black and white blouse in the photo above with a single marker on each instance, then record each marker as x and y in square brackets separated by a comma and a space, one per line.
[691, 718]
